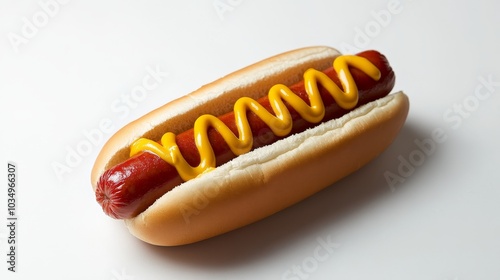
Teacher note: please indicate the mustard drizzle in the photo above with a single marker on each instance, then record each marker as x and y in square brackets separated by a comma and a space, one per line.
[280, 123]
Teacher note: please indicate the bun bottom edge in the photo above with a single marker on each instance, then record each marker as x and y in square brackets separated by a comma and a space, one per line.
[269, 179]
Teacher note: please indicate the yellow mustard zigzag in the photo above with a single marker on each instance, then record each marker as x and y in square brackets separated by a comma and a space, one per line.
[280, 123]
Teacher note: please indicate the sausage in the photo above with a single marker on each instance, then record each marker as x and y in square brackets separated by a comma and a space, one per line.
[130, 187]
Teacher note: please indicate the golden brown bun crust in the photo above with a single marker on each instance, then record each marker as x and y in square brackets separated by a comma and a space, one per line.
[271, 178]
[215, 98]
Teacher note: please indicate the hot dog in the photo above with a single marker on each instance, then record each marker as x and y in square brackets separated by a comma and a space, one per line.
[135, 177]
[127, 189]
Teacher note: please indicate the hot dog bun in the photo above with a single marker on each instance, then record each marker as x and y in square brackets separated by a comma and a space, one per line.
[266, 180]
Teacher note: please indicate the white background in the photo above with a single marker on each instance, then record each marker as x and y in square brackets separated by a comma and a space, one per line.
[67, 66]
